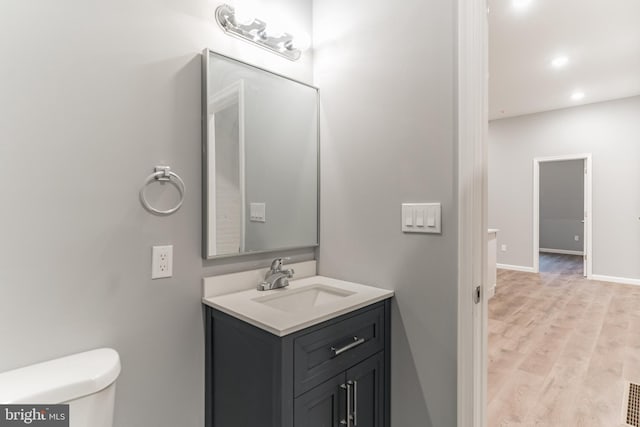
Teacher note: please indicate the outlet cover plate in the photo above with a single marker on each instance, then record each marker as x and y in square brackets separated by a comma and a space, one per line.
[162, 262]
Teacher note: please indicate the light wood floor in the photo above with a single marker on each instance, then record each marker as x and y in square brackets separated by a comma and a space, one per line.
[561, 347]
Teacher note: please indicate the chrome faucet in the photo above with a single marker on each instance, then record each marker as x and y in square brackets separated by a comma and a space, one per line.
[276, 277]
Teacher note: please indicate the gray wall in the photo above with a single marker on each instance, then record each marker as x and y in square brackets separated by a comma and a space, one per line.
[281, 143]
[562, 205]
[93, 95]
[608, 130]
[387, 123]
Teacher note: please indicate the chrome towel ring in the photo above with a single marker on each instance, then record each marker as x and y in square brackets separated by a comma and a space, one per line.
[163, 173]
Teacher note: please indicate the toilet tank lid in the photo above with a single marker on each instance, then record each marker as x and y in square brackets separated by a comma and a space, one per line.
[61, 380]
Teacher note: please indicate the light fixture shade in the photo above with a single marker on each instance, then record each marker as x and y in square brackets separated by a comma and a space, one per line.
[242, 16]
[302, 41]
[258, 32]
[577, 95]
[559, 61]
[521, 4]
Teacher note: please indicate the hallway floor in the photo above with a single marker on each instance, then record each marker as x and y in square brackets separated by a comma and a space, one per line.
[561, 264]
[561, 347]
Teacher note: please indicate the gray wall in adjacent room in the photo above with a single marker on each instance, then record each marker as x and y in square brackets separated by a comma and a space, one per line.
[94, 94]
[387, 95]
[562, 205]
[610, 132]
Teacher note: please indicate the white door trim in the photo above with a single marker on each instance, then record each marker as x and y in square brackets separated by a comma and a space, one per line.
[472, 123]
[588, 182]
[231, 96]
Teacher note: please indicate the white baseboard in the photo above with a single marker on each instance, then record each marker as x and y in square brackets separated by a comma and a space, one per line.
[612, 279]
[491, 292]
[561, 251]
[515, 268]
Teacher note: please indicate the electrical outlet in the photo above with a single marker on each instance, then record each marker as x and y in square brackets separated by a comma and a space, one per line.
[503, 248]
[162, 262]
[576, 238]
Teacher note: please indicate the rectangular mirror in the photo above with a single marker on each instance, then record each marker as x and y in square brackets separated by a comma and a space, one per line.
[260, 160]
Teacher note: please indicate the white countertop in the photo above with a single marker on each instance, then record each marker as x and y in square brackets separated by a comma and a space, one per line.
[242, 305]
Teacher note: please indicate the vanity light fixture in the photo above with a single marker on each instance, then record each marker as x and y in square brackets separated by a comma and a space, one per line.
[521, 4]
[559, 61]
[577, 96]
[256, 31]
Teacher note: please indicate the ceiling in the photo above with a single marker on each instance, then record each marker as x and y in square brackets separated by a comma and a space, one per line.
[600, 38]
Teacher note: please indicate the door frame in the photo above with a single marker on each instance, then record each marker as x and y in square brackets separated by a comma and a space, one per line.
[588, 208]
[231, 96]
[472, 125]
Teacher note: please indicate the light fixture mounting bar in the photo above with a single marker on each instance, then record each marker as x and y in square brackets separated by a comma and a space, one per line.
[256, 32]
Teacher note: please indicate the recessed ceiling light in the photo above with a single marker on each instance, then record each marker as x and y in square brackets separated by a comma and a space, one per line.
[577, 95]
[521, 4]
[559, 61]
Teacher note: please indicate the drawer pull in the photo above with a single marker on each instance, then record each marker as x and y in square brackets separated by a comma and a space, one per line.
[356, 342]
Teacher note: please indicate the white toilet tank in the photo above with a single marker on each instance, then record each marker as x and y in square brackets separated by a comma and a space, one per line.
[84, 381]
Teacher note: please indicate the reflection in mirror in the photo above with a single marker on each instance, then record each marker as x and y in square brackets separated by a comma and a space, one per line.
[260, 164]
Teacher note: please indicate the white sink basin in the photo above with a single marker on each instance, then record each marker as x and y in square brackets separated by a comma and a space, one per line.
[303, 299]
[307, 301]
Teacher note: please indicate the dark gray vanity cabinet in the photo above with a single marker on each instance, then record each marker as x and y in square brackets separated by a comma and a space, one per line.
[358, 392]
[324, 405]
[333, 374]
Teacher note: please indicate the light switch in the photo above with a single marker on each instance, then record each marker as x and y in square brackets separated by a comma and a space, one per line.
[421, 218]
[407, 217]
[431, 217]
[408, 220]
[434, 212]
[257, 212]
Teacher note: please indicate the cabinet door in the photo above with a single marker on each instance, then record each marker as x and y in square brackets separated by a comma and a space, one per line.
[367, 388]
[322, 406]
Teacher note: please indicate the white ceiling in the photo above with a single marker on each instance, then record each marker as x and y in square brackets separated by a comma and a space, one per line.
[601, 38]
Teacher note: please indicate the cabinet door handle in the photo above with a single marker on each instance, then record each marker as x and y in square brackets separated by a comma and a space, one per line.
[349, 403]
[355, 403]
[356, 342]
[347, 420]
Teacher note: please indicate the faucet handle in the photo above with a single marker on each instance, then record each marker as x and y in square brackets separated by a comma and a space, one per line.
[276, 264]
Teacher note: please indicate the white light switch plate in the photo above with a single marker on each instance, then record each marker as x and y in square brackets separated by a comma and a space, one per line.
[422, 218]
[258, 212]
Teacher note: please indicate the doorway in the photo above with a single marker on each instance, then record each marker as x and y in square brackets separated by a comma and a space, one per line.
[227, 210]
[562, 212]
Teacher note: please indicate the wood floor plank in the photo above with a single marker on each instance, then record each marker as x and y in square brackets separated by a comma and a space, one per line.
[515, 398]
[561, 347]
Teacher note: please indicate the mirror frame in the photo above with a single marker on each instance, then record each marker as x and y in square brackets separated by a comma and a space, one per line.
[206, 68]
